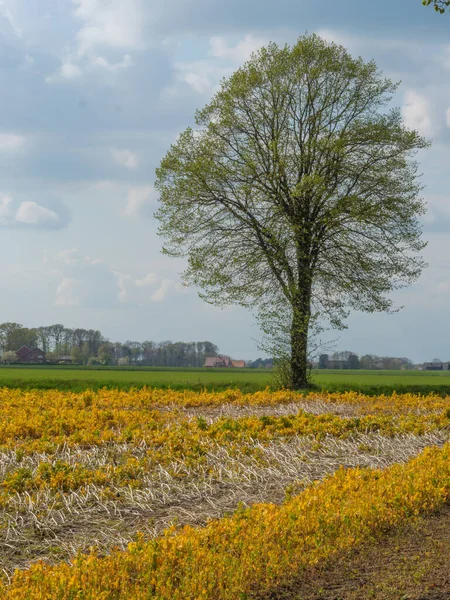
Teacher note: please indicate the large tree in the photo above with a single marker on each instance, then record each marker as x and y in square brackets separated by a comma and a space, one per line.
[297, 191]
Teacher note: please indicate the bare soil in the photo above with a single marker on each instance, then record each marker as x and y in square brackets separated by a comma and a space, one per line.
[410, 564]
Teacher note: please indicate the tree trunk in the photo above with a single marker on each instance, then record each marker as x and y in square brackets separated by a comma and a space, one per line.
[301, 314]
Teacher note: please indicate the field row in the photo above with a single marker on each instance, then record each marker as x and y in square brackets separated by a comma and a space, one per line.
[255, 549]
[43, 422]
[32, 402]
[93, 469]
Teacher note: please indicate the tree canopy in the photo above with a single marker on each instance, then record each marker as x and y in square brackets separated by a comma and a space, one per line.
[440, 6]
[297, 192]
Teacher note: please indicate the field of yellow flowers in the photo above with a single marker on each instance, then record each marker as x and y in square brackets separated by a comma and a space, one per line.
[161, 494]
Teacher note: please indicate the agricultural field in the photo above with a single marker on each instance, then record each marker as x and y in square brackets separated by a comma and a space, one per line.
[75, 378]
[166, 494]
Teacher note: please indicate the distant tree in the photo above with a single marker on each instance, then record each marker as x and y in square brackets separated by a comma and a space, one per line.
[389, 363]
[93, 360]
[353, 361]
[297, 193]
[14, 335]
[126, 351]
[8, 357]
[148, 353]
[77, 355]
[79, 337]
[85, 352]
[52, 356]
[367, 361]
[124, 361]
[394, 363]
[67, 342]
[105, 354]
[94, 340]
[406, 363]
[440, 6]
[56, 333]
[260, 363]
[342, 355]
[210, 349]
[3, 336]
[135, 352]
[43, 338]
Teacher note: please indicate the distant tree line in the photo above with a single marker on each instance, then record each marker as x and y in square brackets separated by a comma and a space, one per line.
[89, 346]
[350, 360]
[389, 363]
[260, 363]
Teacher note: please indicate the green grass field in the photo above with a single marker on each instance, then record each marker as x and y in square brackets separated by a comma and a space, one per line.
[248, 380]
[79, 378]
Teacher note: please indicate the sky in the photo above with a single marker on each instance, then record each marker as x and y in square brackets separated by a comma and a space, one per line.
[93, 92]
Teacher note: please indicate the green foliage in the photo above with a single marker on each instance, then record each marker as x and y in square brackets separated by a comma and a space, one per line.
[440, 6]
[282, 375]
[18, 480]
[8, 357]
[296, 195]
[13, 336]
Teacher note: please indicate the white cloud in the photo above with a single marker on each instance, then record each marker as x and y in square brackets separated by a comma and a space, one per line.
[14, 213]
[72, 257]
[69, 71]
[69, 292]
[83, 281]
[5, 13]
[204, 76]
[91, 282]
[164, 288]
[149, 279]
[107, 26]
[337, 37]
[112, 24]
[150, 288]
[416, 113]
[238, 53]
[125, 158]
[140, 201]
[12, 143]
[104, 63]
[31, 213]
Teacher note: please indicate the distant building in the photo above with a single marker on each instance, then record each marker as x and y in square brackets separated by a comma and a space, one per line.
[65, 359]
[30, 355]
[436, 366]
[223, 362]
[238, 364]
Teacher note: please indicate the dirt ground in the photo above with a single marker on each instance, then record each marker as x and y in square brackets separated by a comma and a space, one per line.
[410, 564]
